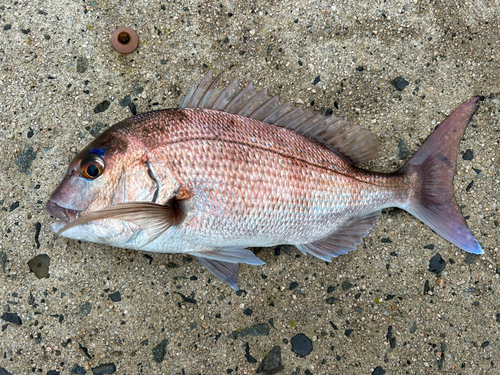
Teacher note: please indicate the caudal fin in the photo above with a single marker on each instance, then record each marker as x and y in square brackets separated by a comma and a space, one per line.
[433, 167]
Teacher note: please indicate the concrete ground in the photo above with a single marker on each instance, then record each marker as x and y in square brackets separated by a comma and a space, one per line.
[377, 310]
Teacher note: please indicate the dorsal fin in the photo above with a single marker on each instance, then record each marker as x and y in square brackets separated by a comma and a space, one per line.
[351, 140]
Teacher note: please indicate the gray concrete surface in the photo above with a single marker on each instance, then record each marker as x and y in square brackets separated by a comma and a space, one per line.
[386, 310]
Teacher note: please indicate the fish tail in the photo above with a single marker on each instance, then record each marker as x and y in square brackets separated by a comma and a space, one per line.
[430, 171]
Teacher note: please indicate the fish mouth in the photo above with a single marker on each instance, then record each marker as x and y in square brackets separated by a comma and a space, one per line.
[66, 215]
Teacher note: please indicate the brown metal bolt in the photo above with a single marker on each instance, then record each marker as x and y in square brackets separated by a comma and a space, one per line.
[125, 40]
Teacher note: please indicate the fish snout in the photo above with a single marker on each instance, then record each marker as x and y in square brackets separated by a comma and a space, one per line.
[66, 215]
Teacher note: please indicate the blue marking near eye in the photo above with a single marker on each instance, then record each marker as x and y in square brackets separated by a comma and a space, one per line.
[97, 151]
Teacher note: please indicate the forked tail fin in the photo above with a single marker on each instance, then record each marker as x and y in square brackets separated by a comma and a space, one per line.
[432, 169]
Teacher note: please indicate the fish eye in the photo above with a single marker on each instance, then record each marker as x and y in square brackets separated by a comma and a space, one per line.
[92, 166]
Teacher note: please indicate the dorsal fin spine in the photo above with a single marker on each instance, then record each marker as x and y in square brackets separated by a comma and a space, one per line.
[352, 141]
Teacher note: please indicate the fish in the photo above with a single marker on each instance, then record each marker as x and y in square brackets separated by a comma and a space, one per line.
[232, 169]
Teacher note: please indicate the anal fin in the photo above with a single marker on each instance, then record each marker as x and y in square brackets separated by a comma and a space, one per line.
[343, 240]
[223, 263]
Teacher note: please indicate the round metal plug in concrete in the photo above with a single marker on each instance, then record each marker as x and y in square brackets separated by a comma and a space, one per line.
[125, 40]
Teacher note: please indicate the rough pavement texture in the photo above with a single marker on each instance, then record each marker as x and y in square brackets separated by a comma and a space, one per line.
[377, 310]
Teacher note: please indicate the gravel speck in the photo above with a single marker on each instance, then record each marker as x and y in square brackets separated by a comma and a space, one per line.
[96, 129]
[248, 312]
[137, 90]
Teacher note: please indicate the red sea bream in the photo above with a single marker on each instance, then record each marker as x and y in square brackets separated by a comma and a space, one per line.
[232, 169]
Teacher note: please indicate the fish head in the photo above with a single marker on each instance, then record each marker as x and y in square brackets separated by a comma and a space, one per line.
[109, 171]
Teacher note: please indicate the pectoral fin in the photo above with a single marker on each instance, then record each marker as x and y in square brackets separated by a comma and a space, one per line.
[153, 218]
[342, 241]
[223, 263]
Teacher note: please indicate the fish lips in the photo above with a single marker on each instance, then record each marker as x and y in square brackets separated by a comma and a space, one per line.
[66, 215]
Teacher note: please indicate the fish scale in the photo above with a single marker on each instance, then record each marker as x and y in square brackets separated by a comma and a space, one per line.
[211, 182]
[277, 192]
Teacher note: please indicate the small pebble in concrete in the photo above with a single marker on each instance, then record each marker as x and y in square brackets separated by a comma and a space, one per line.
[12, 318]
[468, 155]
[346, 285]
[38, 228]
[25, 159]
[3, 260]
[85, 309]
[13, 206]
[249, 358]
[125, 101]
[271, 364]
[132, 108]
[115, 297]
[301, 345]
[39, 265]
[96, 129]
[102, 106]
[106, 368]
[399, 83]
[81, 64]
[378, 371]
[437, 264]
[404, 152]
[260, 329]
[78, 370]
[160, 350]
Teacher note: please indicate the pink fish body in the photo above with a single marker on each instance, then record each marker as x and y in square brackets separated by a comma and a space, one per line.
[234, 169]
